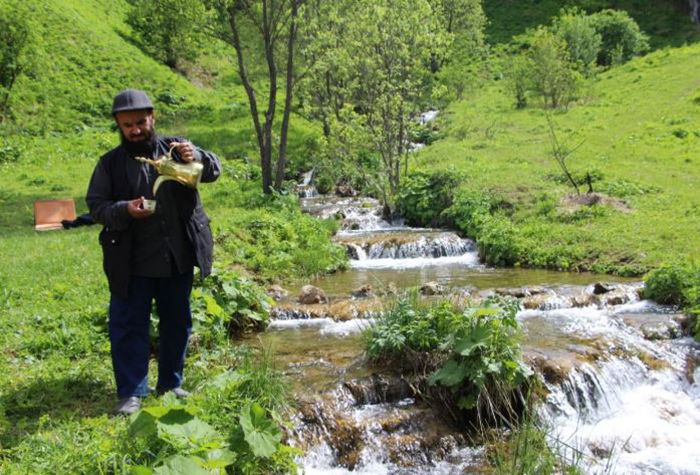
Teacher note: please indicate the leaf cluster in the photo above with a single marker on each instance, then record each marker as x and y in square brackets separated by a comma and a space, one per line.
[226, 304]
[478, 348]
[185, 444]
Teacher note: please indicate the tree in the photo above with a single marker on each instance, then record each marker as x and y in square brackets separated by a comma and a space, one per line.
[15, 39]
[458, 62]
[552, 75]
[393, 41]
[583, 42]
[272, 27]
[168, 30]
[621, 37]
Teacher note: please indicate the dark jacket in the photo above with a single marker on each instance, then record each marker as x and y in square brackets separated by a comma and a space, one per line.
[113, 184]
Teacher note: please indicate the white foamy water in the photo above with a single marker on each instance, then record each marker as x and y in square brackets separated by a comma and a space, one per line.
[356, 325]
[291, 324]
[326, 326]
[470, 259]
[646, 422]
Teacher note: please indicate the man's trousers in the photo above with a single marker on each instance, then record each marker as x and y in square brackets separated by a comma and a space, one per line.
[129, 321]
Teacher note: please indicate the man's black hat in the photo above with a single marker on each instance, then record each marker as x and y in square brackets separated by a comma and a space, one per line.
[130, 100]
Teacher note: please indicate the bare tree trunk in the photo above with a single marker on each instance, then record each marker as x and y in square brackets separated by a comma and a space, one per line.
[266, 158]
[282, 158]
[252, 100]
[695, 11]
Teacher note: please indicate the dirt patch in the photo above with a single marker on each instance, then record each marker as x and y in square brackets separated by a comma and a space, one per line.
[572, 203]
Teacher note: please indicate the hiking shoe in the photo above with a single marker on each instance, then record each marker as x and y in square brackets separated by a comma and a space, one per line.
[127, 406]
[179, 392]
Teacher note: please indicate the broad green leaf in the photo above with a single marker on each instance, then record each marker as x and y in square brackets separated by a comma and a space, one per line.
[213, 308]
[194, 432]
[478, 338]
[229, 379]
[141, 470]
[179, 465]
[262, 434]
[178, 415]
[219, 458]
[451, 374]
[143, 424]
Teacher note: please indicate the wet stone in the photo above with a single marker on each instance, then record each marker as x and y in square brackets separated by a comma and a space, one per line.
[600, 288]
[277, 292]
[660, 330]
[363, 292]
[432, 288]
[310, 295]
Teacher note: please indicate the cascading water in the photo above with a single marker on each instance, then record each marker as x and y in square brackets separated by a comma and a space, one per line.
[623, 392]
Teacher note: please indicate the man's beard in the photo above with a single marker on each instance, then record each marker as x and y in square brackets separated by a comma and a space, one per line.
[143, 148]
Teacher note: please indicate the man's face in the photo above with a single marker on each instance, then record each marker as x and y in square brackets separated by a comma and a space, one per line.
[136, 126]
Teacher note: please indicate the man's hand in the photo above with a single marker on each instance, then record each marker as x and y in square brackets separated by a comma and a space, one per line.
[135, 209]
[185, 149]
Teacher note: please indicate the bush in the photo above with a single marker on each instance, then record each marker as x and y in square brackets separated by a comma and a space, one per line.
[277, 241]
[552, 75]
[472, 353]
[168, 30]
[498, 242]
[227, 304]
[583, 42]
[423, 196]
[469, 210]
[621, 37]
[676, 284]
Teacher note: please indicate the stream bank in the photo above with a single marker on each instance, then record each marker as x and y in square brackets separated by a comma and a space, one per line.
[621, 381]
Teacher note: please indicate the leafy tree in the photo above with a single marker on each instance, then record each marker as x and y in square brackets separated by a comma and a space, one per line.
[583, 42]
[621, 37]
[168, 30]
[15, 39]
[271, 27]
[463, 21]
[368, 61]
[551, 73]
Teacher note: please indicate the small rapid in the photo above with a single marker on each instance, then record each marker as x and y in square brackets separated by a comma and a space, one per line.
[622, 387]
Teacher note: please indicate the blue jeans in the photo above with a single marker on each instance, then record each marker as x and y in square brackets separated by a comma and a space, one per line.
[129, 321]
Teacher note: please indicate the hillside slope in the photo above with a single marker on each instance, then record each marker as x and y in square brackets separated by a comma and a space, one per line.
[82, 56]
[640, 134]
[667, 22]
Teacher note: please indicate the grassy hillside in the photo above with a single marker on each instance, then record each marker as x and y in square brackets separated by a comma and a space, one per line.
[666, 21]
[640, 134]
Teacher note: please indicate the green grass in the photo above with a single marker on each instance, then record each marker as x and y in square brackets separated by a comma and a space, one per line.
[640, 134]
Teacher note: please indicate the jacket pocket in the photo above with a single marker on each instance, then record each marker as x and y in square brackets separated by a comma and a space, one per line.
[199, 233]
[116, 252]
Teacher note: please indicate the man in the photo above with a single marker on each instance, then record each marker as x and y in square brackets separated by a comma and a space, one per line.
[149, 254]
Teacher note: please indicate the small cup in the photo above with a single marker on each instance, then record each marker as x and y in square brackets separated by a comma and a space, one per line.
[149, 204]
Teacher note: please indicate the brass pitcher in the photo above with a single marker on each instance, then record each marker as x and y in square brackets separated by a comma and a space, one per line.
[188, 174]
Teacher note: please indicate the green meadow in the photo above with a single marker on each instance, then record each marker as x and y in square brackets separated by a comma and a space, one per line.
[637, 125]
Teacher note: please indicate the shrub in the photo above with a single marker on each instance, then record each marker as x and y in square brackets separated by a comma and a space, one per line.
[669, 284]
[227, 303]
[621, 37]
[552, 75]
[423, 196]
[168, 30]
[275, 240]
[676, 284]
[472, 353]
[498, 242]
[470, 209]
[582, 40]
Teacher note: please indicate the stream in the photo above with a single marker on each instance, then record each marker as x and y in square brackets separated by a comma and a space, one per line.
[623, 391]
